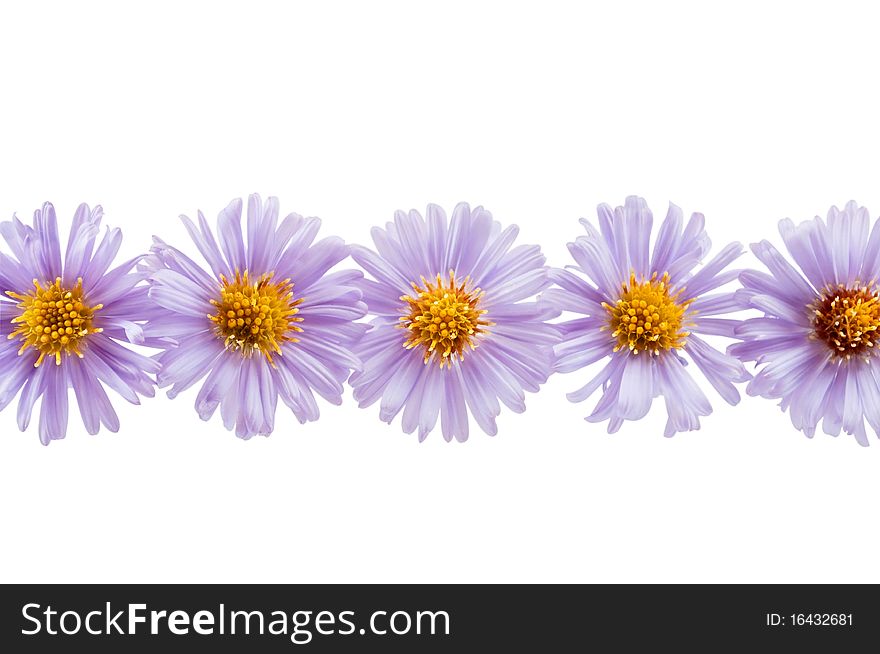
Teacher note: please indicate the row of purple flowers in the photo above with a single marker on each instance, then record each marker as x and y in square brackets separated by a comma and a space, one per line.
[461, 320]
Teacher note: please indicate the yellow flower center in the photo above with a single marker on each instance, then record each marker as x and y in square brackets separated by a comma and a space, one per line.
[444, 318]
[846, 319]
[647, 318]
[256, 315]
[53, 320]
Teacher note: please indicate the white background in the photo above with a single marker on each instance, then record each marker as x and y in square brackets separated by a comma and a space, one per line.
[349, 111]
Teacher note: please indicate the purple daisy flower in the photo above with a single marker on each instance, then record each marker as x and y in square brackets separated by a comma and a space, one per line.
[644, 309]
[62, 321]
[267, 321]
[817, 343]
[451, 332]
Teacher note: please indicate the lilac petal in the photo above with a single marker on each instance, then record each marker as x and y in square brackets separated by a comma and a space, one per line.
[453, 412]
[48, 245]
[315, 373]
[639, 224]
[568, 281]
[109, 287]
[296, 394]
[762, 350]
[133, 332]
[715, 326]
[391, 252]
[490, 257]
[456, 238]
[289, 227]
[83, 233]
[13, 276]
[268, 396]
[721, 370]
[257, 397]
[869, 391]
[230, 403]
[231, 241]
[176, 327]
[250, 420]
[54, 407]
[787, 277]
[691, 248]
[381, 269]
[772, 306]
[708, 277]
[636, 387]
[853, 414]
[581, 349]
[381, 299]
[35, 386]
[526, 316]
[715, 304]
[565, 300]
[98, 367]
[206, 245]
[783, 375]
[482, 403]
[517, 265]
[607, 406]
[300, 241]
[94, 405]
[849, 232]
[217, 385]
[103, 257]
[179, 262]
[617, 361]
[183, 366]
[433, 396]
[769, 328]
[119, 288]
[177, 293]
[436, 230]
[519, 288]
[667, 238]
[870, 268]
[807, 405]
[832, 420]
[15, 373]
[410, 229]
[322, 294]
[257, 237]
[399, 388]
[596, 261]
[764, 284]
[410, 420]
[477, 240]
[685, 402]
[530, 365]
[15, 233]
[612, 226]
[504, 383]
[329, 353]
[797, 241]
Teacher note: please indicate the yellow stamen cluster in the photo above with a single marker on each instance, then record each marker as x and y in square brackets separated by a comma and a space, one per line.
[647, 318]
[54, 320]
[444, 318]
[256, 315]
[846, 319]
